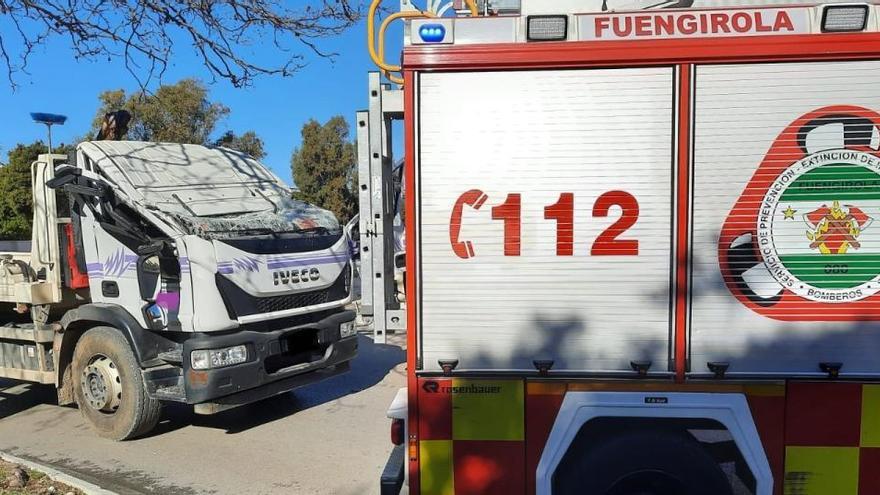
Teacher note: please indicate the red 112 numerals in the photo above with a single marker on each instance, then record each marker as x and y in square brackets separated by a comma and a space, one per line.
[510, 212]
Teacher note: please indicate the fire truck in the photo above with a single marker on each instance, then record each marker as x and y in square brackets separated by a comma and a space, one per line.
[642, 246]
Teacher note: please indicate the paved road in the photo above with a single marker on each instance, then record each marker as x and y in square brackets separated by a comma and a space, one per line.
[328, 438]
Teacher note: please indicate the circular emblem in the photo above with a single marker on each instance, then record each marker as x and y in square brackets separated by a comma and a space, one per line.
[815, 226]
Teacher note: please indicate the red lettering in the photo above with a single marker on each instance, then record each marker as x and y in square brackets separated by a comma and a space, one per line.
[475, 199]
[687, 24]
[742, 22]
[759, 24]
[783, 22]
[511, 213]
[697, 23]
[664, 23]
[643, 26]
[720, 23]
[624, 31]
[608, 244]
[601, 25]
[563, 213]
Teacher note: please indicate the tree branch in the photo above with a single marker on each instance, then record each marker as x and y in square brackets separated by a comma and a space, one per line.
[145, 34]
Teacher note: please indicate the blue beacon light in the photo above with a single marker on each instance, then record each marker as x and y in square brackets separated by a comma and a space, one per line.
[432, 33]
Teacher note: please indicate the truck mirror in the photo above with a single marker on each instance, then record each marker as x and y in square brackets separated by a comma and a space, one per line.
[151, 250]
[148, 270]
[64, 174]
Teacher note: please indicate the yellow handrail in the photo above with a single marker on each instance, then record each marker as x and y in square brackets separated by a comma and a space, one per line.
[387, 22]
[379, 57]
[472, 4]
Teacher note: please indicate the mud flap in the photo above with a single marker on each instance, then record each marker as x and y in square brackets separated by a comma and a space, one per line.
[392, 476]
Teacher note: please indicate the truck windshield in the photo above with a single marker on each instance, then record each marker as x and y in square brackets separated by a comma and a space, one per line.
[289, 217]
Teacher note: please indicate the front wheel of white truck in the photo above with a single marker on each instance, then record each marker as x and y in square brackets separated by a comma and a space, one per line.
[109, 389]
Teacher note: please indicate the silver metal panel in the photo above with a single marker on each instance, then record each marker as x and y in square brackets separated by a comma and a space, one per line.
[747, 121]
[469, 31]
[379, 225]
[540, 134]
[366, 213]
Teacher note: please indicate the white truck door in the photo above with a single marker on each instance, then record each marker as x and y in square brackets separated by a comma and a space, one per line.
[544, 204]
[786, 248]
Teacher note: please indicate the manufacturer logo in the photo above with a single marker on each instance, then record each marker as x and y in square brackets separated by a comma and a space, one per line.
[800, 243]
[299, 276]
[433, 387]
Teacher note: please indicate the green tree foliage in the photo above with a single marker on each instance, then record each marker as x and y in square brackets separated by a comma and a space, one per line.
[16, 202]
[325, 167]
[248, 143]
[176, 113]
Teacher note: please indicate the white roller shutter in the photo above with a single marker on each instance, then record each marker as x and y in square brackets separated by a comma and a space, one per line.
[591, 133]
[740, 110]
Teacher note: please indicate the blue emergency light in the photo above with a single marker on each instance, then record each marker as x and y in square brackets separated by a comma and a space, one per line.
[48, 118]
[432, 33]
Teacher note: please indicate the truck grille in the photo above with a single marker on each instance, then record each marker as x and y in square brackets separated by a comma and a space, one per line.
[281, 303]
[240, 303]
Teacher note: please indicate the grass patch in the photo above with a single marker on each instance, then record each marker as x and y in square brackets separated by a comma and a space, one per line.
[38, 483]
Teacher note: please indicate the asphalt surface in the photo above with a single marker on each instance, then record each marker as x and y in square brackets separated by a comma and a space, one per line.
[328, 438]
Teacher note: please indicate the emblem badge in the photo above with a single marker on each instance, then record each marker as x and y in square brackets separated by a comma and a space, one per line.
[800, 243]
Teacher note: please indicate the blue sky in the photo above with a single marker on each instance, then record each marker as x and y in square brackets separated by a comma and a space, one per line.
[274, 107]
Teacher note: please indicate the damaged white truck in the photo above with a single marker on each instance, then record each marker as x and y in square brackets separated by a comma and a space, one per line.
[168, 272]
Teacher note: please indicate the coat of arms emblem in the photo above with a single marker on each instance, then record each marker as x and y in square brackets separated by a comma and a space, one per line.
[799, 243]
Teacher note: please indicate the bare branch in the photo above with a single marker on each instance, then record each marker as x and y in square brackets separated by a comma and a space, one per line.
[145, 34]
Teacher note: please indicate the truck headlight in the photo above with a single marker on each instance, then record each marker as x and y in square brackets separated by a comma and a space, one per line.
[347, 329]
[218, 358]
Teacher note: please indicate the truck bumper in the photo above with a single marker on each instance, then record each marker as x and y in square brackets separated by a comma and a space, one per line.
[392, 476]
[262, 376]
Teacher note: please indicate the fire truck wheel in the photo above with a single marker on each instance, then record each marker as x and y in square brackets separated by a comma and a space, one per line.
[109, 389]
[642, 462]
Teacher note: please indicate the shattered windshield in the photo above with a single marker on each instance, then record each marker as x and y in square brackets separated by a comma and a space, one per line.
[290, 216]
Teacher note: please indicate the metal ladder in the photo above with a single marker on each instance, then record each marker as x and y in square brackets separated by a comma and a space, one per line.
[379, 306]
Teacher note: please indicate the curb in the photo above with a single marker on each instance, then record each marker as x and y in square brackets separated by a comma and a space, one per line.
[56, 475]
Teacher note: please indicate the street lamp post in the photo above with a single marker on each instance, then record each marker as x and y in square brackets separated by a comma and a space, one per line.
[48, 119]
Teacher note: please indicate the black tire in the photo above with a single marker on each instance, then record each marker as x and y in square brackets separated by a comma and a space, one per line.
[136, 413]
[641, 462]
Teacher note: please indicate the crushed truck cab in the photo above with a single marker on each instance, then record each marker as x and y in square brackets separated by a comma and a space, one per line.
[221, 288]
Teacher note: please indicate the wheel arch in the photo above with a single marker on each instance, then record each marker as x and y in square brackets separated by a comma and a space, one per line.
[145, 345]
[583, 414]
